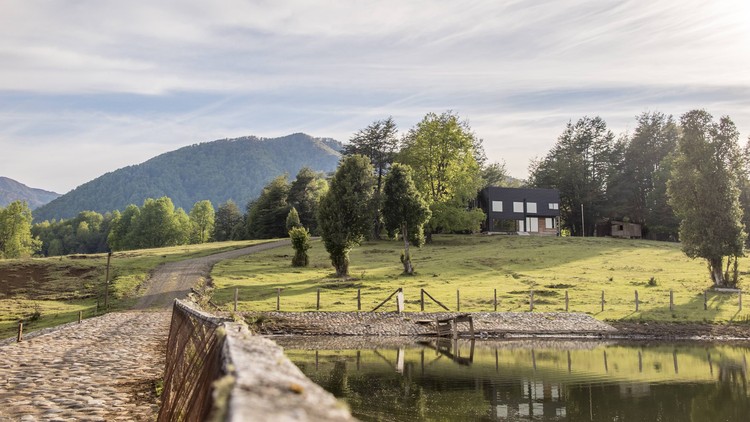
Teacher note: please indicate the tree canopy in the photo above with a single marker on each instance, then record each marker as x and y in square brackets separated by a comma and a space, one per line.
[442, 151]
[579, 166]
[343, 218]
[404, 210]
[379, 143]
[704, 191]
[16, 240]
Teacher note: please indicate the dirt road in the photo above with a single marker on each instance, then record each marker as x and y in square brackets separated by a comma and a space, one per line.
[105, 368]
[174, 280]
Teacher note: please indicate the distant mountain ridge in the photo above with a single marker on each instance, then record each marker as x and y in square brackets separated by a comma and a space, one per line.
[225, 169]
[12, 190]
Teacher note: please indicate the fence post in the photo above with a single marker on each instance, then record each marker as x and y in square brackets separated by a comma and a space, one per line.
[566, 301]
[20, 332]
[80, 316]
[278, 298]
[359, 302]
[531, 301]
[458, 300]
[236, 297]
[602, 300]
[317, 302]
[636, 300]
[705, 300]
[671, 300]
[421, 300]
[495, 302]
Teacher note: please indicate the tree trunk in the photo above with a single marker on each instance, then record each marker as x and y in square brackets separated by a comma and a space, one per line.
[408, 269]
[341, 263]
[428, 235]
[715, 268]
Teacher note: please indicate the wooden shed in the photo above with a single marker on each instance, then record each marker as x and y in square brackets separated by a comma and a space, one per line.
[619, 229]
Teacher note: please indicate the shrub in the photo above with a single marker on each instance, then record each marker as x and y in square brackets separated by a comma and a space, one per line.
[301, 244]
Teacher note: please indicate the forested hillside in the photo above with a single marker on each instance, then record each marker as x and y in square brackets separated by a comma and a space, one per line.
[226, 169]
[11, 190]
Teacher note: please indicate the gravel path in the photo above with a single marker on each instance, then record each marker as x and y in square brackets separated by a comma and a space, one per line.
[173, 280]
[106, 368]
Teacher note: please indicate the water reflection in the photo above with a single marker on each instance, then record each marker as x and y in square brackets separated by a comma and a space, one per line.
[390, 379]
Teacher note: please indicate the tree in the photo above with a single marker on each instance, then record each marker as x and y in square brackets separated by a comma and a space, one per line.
[579, 166]
[404, 211]
[122, 235]
[637, 186]
[343, 218]
[159, 225]
[494, 174]
[301, 243]
[304, 195]
[704, 192]
[266, 216]
[16, 240]
[292, 219]
[379, 143]
[202, 218]
[227, 217]
[441, 150]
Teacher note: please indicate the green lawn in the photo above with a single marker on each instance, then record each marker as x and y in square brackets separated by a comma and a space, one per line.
[46, 292]
[478, 264]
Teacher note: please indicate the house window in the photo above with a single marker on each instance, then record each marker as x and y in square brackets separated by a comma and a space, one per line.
[497, 206]
[554, 206]
[531, 207]
[549, 223]
[518, 207]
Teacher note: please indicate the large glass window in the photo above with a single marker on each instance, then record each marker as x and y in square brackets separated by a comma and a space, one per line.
[531, 207]
[497, 206]
[518, 207]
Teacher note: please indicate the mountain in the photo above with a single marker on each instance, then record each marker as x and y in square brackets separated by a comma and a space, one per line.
[225, 169]
[11, 190]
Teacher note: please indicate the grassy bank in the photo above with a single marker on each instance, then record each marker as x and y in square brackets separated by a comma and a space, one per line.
[46, 292]
[477, 265]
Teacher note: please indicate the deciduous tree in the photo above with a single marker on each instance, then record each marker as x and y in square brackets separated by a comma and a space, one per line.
[202, 218]
[404, 211]
[704, 192]
[16, 240]
[441, 150]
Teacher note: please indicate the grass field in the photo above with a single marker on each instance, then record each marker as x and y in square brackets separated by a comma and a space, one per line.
[478, 264]
[50, 291]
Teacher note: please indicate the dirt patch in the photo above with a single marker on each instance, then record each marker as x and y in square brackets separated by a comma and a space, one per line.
[45, 281]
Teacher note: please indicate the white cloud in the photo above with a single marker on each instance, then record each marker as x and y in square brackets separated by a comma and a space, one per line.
[519, 70]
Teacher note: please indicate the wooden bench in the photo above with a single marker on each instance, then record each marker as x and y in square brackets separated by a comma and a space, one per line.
[449, 326]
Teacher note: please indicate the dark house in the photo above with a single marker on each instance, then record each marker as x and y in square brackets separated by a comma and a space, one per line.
[522, 210]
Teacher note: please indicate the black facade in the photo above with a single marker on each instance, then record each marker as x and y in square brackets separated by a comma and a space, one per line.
[502, 205]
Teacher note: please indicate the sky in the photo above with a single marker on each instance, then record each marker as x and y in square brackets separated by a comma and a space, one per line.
[90, 86]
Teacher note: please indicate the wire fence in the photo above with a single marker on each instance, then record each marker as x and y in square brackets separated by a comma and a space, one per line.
[193, 363]
[487, 300]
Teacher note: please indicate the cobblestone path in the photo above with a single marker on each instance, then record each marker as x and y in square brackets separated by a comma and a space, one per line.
[106, 368]
[102, 369]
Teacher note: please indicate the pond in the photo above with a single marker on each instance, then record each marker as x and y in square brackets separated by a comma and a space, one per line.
[393, 379]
